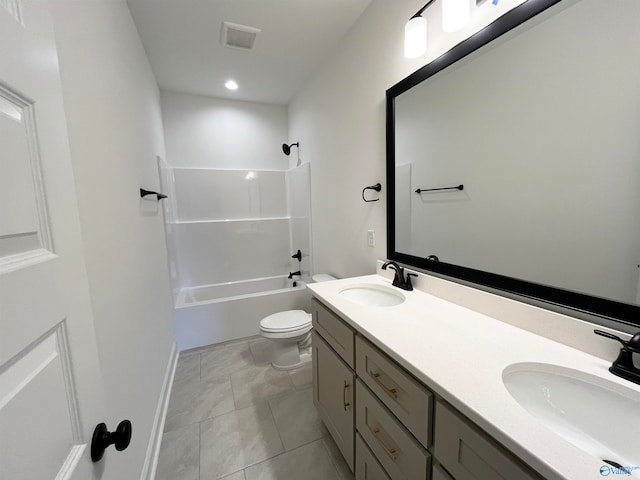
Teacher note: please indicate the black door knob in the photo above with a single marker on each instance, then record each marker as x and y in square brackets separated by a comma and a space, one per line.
[102, 438]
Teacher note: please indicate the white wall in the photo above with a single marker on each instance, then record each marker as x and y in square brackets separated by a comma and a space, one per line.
[113, 113]
[216, 133]
[339, 116]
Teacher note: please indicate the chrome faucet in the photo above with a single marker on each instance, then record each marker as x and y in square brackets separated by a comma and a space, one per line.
[623, 365]
[399, 279]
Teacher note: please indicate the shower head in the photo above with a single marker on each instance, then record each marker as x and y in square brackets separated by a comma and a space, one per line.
[287, 148]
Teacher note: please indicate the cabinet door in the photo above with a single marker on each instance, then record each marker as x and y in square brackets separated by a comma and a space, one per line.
[333, 384]
[469, 454]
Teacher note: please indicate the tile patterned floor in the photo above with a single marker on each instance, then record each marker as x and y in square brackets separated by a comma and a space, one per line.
[232, 416]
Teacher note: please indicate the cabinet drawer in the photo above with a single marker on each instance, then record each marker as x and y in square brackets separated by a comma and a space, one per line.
[333, 396]
[470, 454]
[438, 473]
[334, 330]
[411, 402]
[367, 467]
[393, 446]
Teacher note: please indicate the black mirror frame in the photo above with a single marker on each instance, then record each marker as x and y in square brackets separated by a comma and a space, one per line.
[625, 313]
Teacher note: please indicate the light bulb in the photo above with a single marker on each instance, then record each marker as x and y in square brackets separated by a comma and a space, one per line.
[415, 37]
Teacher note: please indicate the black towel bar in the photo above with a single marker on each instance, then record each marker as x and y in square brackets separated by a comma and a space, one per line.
[420, 190]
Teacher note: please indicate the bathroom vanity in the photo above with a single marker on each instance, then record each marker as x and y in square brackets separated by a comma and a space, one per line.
[412, 386]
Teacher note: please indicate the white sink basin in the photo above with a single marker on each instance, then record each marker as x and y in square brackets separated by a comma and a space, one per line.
[600, 417]
[372, 295]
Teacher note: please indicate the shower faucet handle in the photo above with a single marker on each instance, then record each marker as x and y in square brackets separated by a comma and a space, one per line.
[297, 255]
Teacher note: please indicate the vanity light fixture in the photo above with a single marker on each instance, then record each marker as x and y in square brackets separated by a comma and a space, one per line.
[231, 85]
[415, 34]
[455, 14]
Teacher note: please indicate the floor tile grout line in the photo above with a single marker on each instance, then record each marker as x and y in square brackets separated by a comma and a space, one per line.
[257, 462]
[200, 382]
[199, 450]
[273, 417]
[286, 452]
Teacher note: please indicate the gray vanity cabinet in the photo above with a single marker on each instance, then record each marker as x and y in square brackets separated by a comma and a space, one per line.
[334, 331]
[399, 428]
[367, 467]
[439, 473]
[407, 398]
[470, 454]
[394, 447]
[334, 379]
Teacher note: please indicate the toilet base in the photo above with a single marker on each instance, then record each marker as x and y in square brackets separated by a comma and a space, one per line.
[292, 353]
[304, 358]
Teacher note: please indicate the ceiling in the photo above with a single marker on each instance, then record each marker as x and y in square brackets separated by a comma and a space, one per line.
[182, 41]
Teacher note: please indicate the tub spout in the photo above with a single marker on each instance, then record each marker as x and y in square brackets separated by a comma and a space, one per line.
[291, 274]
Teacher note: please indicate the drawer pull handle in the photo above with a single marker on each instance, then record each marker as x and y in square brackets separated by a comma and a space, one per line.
[344, 396]
[390, 451]
[392, 392]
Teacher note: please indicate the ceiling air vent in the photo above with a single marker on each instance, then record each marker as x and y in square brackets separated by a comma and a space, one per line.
[238, 36]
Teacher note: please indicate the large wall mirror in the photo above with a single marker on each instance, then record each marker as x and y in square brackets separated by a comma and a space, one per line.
[537, 117]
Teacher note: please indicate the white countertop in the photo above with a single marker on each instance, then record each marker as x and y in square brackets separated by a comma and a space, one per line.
[461, 354]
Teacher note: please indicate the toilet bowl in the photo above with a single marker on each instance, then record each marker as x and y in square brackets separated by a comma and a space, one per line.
[290, 335]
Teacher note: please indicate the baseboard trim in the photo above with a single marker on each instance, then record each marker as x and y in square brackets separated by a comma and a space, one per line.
[153, 449]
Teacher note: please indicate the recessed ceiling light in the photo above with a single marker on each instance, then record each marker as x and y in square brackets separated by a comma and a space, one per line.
[231, 85]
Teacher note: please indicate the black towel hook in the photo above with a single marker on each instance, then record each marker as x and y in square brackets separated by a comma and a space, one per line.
[377, 187]
[144, 193]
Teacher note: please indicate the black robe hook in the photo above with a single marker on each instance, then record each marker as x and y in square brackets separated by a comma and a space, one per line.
[144, 193]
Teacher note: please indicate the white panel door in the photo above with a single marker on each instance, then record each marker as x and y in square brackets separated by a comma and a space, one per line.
[49, 372]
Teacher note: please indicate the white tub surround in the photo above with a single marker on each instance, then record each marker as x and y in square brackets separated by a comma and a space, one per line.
[231, 235]
[212, 314]
[222, 292]
[461, 355]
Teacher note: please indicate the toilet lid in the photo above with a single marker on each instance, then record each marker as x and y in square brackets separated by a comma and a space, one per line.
[286, 321]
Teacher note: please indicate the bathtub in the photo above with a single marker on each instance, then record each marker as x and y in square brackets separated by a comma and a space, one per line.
[209, 314]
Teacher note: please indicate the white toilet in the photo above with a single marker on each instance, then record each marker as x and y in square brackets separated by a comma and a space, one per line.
[290, 333]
